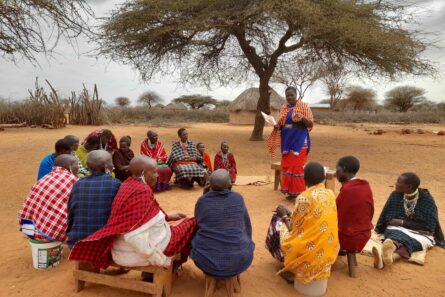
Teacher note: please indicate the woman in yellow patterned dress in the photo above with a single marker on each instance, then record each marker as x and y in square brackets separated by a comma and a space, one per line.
[309, 235]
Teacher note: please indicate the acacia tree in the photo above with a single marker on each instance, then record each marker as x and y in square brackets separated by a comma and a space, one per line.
[23, 24]
[334, 76]
[122, 101]
[404, 98]
[359, 98]
[300, 72]
[149, 98]
[228, 41]
[195, 101]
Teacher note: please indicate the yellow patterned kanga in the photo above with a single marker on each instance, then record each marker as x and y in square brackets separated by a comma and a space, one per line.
[312, 246]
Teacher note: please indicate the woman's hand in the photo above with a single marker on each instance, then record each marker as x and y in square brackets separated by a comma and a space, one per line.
[395, 222]
[282, 211]
[174, 216]
[277, 126]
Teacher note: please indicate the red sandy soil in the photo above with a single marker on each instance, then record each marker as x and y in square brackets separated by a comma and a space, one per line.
[383, 158]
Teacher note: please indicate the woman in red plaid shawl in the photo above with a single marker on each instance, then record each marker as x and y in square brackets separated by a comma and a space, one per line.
[185, 161]
[138, 231]
[44, 214]
[107, 140]
[153, 148]
[291, 133]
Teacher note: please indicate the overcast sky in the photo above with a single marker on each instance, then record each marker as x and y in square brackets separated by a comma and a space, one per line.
[69, 70]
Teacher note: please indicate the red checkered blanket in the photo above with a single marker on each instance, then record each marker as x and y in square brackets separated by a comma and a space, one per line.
[46, 204]
[133, 206]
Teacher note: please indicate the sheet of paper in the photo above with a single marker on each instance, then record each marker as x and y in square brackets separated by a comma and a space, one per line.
[269, 119]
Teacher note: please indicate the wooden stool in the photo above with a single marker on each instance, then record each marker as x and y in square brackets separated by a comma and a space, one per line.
[329, 183]
[277, 167]
[232, 284]
[160, 287]
[352, 264]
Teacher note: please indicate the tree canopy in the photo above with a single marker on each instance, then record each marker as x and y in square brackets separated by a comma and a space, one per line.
[228, 41]
[23, 24]
[358, 98]
[195, 101]
[149, 98]
[403, 98]
[122, 101]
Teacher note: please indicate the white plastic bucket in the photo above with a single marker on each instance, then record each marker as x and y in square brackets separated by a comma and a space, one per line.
[46, 254]
[313, 289]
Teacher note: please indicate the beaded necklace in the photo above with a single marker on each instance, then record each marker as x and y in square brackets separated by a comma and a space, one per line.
[410, 202]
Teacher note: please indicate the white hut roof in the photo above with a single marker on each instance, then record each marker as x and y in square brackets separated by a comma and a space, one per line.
[176, 106]
[248, 100]
[320, 105]
[159, 105]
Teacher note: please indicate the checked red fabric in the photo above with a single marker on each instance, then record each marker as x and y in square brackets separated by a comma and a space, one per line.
[133, 206]
[47, 203]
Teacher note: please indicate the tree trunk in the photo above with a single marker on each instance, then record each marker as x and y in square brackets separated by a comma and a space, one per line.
[262, 106]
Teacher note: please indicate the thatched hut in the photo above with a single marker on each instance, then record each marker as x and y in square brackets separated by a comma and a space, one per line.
[320, 107]
[243, 108]
[176, 106]
[159, 106]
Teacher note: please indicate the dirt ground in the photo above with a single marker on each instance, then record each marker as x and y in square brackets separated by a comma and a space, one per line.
[382, 158]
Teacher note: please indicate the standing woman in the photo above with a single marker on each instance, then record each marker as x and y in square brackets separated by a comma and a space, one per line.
[292, 134]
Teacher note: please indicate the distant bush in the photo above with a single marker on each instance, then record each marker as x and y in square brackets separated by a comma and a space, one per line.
[429, 117]
[140, 114]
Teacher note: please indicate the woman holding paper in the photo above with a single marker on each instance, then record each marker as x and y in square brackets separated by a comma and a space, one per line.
[291, 133]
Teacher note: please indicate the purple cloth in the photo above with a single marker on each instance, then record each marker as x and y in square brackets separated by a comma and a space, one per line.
[292, 139]
[223, 245]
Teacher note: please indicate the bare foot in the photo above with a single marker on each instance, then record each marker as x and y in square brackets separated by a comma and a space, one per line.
[288, 276]
[388, 249]
[378, 261]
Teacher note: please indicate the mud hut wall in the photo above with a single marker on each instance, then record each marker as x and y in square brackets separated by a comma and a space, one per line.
[246, 117]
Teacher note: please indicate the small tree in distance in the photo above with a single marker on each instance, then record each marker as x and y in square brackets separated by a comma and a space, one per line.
[334, 77]
[122, 101]
[403, 98]
[300, 73]
[195, 101]
[149, 98]
[359, 98]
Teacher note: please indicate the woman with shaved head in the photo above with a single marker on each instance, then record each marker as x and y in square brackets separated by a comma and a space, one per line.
[153, 148]
[44, 214]
[306, 239]
[138, 232]
[409, 222]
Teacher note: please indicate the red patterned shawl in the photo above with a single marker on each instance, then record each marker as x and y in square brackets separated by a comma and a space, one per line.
[133, 206]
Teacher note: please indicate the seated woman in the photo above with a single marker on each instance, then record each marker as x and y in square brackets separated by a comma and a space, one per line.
[153, 148]
[207, 164]
[306, 240]
[355, 206]
[185, 161]
[225, 160]
[90, 145]
[122, 158]
[44, 214]
[138, 231]
[409, 222]
[107, 141]
[223, 245]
